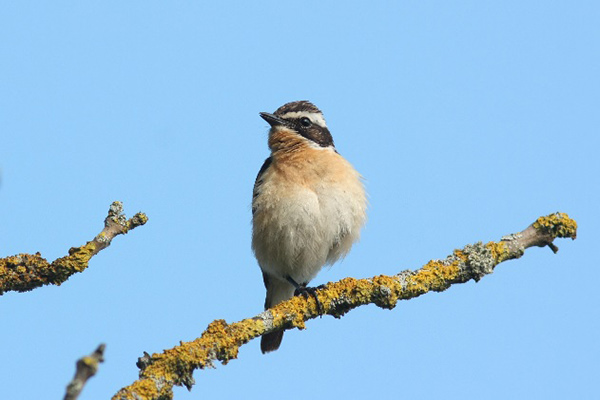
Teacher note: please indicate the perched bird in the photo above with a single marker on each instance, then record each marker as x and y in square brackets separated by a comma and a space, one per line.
[308, 205]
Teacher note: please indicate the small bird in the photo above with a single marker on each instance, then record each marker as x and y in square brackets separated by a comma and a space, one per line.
[308, 205]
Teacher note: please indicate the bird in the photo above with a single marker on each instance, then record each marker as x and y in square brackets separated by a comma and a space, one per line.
[308, 205]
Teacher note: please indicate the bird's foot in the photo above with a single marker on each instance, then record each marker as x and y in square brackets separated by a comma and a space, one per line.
[306, 291]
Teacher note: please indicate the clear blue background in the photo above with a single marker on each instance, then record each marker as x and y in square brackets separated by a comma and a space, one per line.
[467, 119]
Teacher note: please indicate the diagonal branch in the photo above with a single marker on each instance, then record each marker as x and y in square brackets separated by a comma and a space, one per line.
[86, 368]
[25, 272]
[221, 341]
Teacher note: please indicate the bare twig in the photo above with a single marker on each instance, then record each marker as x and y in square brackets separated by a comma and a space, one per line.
[86, 368]
[25, 272]
[221, 341]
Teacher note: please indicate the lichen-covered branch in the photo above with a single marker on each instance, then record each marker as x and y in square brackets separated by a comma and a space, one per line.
[25, 272]
[86, 368]
[221, 341]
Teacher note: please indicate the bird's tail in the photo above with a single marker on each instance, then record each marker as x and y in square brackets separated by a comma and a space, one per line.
[277, 291]
[271, 341]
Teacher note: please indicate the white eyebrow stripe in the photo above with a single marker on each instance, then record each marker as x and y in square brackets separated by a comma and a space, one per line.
[316, 118]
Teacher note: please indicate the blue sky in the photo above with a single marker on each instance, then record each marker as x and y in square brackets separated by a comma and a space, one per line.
[468, 120]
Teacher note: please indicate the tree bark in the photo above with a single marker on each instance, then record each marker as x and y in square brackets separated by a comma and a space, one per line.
[161, 371]
[25, 272]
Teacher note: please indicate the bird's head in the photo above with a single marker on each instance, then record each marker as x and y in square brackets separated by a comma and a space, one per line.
[299, 120]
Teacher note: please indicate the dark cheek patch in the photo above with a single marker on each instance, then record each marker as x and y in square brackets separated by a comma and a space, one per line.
[320, 136]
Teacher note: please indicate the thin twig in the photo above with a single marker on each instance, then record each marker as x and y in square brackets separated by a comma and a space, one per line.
[86, 368]
[24, 272]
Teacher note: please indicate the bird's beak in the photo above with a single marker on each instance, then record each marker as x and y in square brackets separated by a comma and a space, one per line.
[272, 119]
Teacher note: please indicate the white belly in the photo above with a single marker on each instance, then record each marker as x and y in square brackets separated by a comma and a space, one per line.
[298, 230]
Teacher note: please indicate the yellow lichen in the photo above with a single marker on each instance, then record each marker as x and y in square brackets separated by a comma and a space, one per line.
[435, 275]
[221, 341]
[140, 389]
[500, 251]
[461, 255]
[91, 362]
[247, 329]
[391, 293]
[143, 218]
[558, 225]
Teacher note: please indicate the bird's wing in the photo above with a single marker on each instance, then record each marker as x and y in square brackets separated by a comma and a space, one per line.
[258, 182]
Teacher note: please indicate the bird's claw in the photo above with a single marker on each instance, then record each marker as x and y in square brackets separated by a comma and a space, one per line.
[311, 291]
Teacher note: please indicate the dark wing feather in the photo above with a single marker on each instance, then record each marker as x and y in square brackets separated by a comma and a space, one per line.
[258, 181]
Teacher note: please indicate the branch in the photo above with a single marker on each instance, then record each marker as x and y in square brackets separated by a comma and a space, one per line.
[221, 341]
[86, 368]
[25, 272]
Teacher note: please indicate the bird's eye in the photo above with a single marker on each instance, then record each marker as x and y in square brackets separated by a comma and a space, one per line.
[305, 122]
